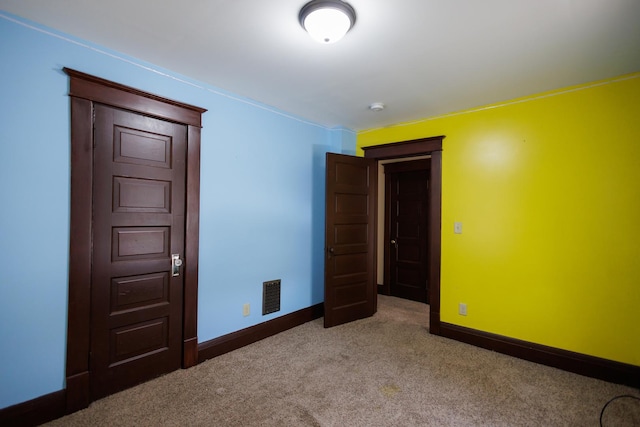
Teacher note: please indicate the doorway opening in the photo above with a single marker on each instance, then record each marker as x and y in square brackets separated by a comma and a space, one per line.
[431, 147]
[403, 228]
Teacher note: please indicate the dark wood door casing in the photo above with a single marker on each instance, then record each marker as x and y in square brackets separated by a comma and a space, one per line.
[406, 229]
[86, 92]
[425, 146]
[350, 288]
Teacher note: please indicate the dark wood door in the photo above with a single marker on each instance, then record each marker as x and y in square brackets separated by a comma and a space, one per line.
[407, 186]
[138, 224]
[350, 288]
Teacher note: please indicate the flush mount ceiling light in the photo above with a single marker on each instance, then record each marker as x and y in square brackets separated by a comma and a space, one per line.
[327, 21]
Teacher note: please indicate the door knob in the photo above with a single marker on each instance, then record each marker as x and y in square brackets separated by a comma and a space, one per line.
[394, 243]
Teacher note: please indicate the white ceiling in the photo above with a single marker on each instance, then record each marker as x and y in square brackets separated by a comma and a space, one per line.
[420, 57]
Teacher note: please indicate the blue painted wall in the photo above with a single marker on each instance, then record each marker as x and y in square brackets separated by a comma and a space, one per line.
[262, 200]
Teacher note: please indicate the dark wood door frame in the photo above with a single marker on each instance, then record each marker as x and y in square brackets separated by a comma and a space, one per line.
[85, 91]
[419, 147]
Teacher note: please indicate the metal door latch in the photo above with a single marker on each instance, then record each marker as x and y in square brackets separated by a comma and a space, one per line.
[176, 262]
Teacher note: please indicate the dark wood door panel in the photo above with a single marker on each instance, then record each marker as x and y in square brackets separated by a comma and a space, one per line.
[347, 264]
[137, 339]
[141, 195]
[353, 293]
[411, 187]
[128, 293]
[350, 234]
[351, 174]
[134, 243]
[409, 251]
[409, 275]
[142, 148]
[351, 204]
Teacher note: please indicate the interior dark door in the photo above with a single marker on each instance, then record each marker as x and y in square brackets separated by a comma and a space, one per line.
[138, 224]
[350, 288]
[408, 207]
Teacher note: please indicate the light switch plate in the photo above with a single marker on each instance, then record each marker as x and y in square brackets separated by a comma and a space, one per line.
[457, 227]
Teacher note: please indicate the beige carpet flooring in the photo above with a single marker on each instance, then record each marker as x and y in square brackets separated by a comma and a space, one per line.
[382, 371]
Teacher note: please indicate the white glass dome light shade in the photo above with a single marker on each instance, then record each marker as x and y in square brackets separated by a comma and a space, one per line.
[327, 21]
[327, 25]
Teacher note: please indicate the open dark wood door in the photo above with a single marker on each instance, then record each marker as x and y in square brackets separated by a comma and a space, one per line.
[350, 290]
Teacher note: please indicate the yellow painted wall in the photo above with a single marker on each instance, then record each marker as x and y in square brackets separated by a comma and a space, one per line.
[548, 190]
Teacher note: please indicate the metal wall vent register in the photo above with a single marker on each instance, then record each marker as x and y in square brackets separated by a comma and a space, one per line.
[270, 296]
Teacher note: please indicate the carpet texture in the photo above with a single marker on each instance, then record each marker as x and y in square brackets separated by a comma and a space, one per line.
[382, 371]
